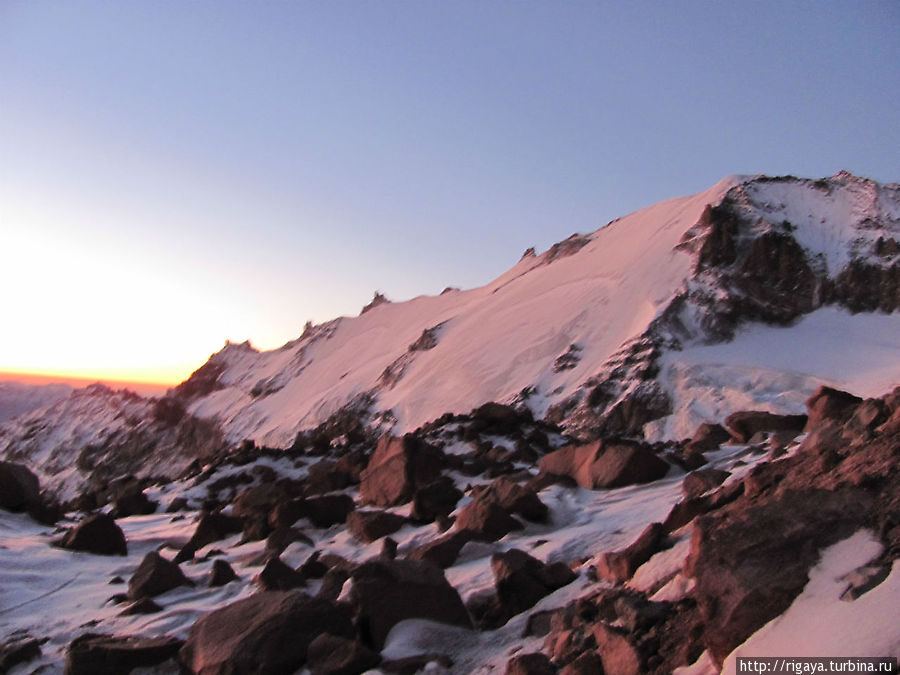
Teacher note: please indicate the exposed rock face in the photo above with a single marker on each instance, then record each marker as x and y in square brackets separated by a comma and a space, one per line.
[91, 653]
[154, 576]
[606, 464]
[387, 592]
[397, 467]
[830, 405]
[269, 632]
[19, 487]
[96, 534]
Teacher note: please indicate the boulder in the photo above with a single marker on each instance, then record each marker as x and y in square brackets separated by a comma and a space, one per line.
[443, 551]
[326, 476]
[486, 520]
[620, 566]
[397, 467]
[221, 573]
[707, 438]
[277, 576]
[96, 534]
[588, 663]
[282, 537]
[617, 653]
[534, 663]
[606, 464]
[514, 498]
[90, 653]
[521, 580]
[329, 510]
[211, 527]
[333, 655]
[130, 500]
[19, 487]
[367, 526]
[383, 593]
[831, 405]
[18, 648]
[269, 632]
[702, 480]
[438, 498]
[154, 576]
[746, 424]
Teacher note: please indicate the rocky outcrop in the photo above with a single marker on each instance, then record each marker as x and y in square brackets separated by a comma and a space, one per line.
[92, 653]
[155, 576]
[19, 487]
[745, 425]
[367, 526]
[522, 580]
[619, 566]
[397, 467]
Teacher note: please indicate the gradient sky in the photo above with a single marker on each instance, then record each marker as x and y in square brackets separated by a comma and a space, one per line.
[174, 174]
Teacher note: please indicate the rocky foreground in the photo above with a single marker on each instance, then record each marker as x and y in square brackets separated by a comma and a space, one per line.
[485, 542]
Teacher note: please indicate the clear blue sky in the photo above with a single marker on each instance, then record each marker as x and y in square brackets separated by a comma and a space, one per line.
[174, 174]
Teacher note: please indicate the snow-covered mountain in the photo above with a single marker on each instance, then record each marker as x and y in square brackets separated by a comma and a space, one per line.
[624, 330]
[17, 398]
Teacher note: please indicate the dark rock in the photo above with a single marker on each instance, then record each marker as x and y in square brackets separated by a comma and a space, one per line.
[142, 606]
[329, 510]
[177, 504]
[397, 467]
[18, 648]
[282, 537]
[155, 575]
[707, 438]
[326, 476]
[333, 583]
[438, 498]
[130, 500]
[588, 663]
[387, 592]
[530, 664]
[211, 527]
[486, 520]
[444, 551]
[606, 464]
[333, 655]
[221, 573]
[259, 500]
[96, 534]
[90, 654]
[367, 526]
[276, 576]
[703, 480]
[744, 425]
[617, 653]
[269, 632]
[619, 566]
[19, 487]
[522, 580]
[685, 511]
[285, 514]
[313, 567]
[750, 562]
[388, 549]
[538, 623]
[831, 405]
[514, 498]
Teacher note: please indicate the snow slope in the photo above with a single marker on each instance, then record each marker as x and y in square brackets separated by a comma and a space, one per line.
[17, 398]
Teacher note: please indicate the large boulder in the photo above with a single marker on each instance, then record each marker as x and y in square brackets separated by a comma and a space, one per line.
[384, 593]
[333, 655]
[606, 464]
[830, 405]
[521, 580]
[278, 576]
[702, 480]
[619, 566]
[746, 424]
[90, 653]
[443, 551]
[367, 526]
[19, 487]
[96, 534]
[435, 500]
[130, 500]
[486, 520]
[707, 438]
[514, 498]
[154, 576]
[211, 527]
[397, 467]
[267, 633]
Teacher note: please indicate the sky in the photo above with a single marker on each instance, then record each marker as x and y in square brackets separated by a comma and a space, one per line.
[176, 174]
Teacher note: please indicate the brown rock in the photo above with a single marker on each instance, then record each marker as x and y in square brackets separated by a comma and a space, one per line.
[707, 438]
[333, 655]
[744, 425]
[211, 527]
[530, 664]
[514, 498]
[130, 500]
[588, 663]
[387, 592]
[486, 520]
[90, 654]
[269, 632]
[436, 499]
[442, 552]
[367, 526]
[142, 606]
[617, 653]
[329, 510]
[606, 464]
[620, 566]
[19, 487]
[155, 576]
[397, 467]
[16, 649]
[703, 480]
[832, 405]
[221, 573]
[96, 534]
[522, 580]
[276, 576]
